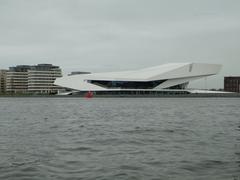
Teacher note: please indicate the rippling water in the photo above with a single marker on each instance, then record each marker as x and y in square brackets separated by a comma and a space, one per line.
[76, 138]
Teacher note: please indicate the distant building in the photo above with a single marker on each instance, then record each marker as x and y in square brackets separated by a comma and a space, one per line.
[77, 73]
[33, 79]
[41, 78]
[17, 79]
[232, 84]
[167, 77]
[3, 81]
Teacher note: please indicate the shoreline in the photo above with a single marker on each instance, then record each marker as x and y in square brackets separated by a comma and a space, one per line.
[232, 95]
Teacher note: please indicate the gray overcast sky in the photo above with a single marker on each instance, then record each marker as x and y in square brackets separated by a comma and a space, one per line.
[111, 35]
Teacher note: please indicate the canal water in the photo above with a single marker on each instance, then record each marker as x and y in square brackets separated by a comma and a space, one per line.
[119, 138]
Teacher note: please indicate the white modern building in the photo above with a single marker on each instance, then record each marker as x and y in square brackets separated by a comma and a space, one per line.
[167, 77]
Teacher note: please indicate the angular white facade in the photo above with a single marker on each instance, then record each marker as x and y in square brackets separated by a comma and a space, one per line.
[167, 76]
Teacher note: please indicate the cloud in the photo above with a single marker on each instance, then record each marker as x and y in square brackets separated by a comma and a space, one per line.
[111, 35]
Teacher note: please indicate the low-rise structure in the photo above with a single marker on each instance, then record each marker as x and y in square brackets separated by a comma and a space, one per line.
[232, 84]
[78, 72]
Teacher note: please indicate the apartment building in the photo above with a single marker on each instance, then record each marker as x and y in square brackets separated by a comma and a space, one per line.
[17, 79]
[33, 79]
[2, 81]
[41, 78]
[232, 84]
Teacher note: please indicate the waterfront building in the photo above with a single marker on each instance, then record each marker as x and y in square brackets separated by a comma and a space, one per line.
[173, 77]
[232, 84]
[41, 78]
[33, 79]
[17, 79]
[3, 81]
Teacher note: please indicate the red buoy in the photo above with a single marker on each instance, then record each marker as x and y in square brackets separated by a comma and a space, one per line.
[89, 94]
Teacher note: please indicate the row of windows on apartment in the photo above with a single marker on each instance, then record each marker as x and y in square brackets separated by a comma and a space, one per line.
[30, 76]
[232, 81]
[18, 84]
[31, 80]
[24, 87]
[25, 82]
[232, 85]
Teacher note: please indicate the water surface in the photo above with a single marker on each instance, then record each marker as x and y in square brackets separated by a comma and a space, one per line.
[106, 139]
